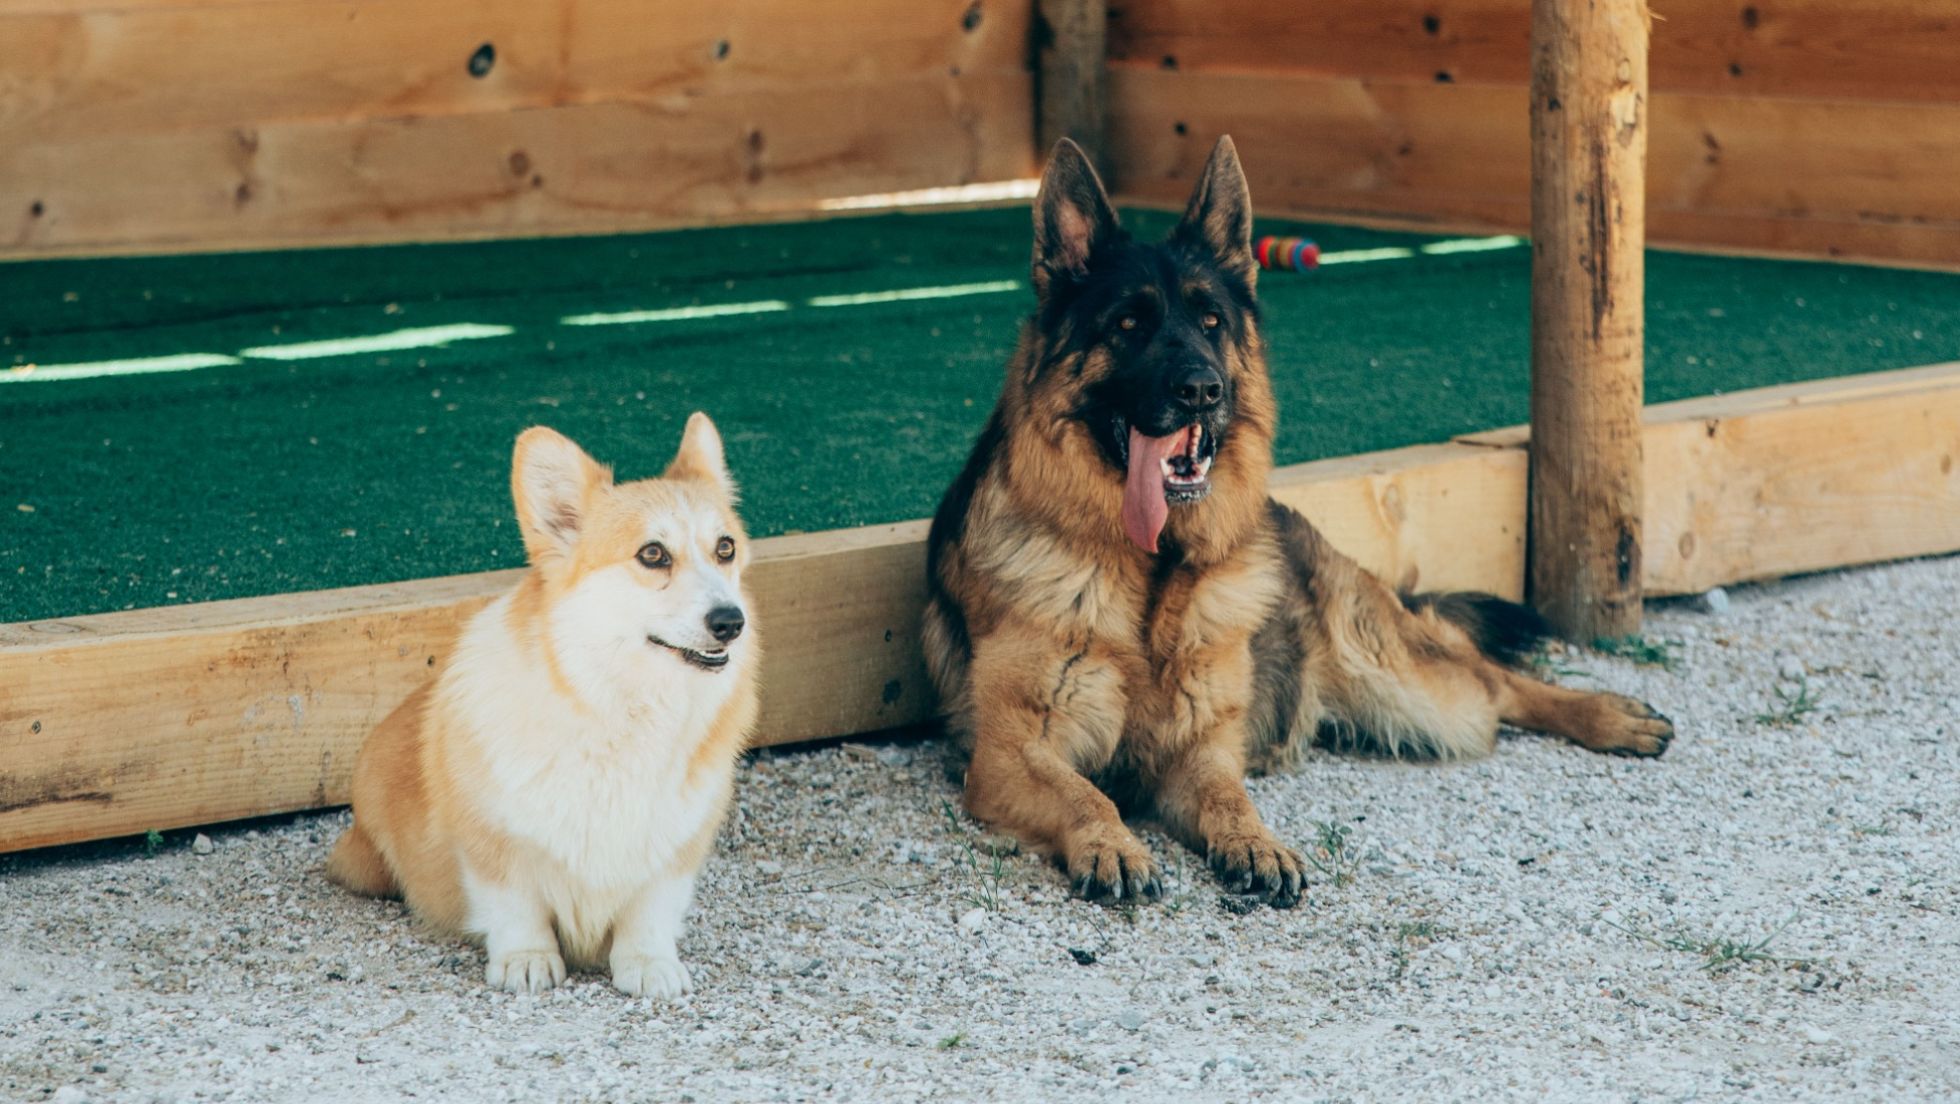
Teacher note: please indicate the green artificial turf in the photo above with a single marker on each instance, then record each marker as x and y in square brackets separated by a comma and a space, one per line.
[274, 475]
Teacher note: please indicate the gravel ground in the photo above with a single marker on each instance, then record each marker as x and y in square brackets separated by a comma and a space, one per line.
[1768, 913]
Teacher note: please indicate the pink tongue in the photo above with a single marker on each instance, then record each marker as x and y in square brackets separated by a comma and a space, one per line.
[1144, 508]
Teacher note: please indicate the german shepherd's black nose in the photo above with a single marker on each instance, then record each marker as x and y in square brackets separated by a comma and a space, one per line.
[725, 623]
[1201, 389]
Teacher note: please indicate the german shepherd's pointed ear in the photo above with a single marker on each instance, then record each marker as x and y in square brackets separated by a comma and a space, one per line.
[1072, 219]
[1219, 216]
[700, 456]
[552, 481]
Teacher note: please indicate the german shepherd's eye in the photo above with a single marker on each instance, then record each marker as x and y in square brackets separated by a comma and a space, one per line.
[725, 549]
[1209, 320]
[654, 554]
[1127, 322]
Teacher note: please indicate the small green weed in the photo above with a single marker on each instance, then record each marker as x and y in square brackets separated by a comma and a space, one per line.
[986, 876]
[1792, 707]
[1544, 666]
[1721, 954]
[1333, 853]
[1642, 651]
[152, 841]
[1419, 932]
[953, 1041]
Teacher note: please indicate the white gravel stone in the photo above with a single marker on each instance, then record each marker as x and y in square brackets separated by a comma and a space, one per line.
[1714, 602]
[1544, 924]
[202, 845]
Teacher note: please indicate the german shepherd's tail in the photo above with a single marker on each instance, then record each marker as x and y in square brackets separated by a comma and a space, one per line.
[1505, 631]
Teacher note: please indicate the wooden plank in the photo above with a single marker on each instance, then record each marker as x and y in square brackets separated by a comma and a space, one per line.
[1802, 477]
[1817, 177]
[1457, 152]
[1588, 313]
[1430, 517]
[112, 71]
[116, 724]
[163, 718]
[579, 168]
[1837, 49]
[1070, 82]
[119, 723]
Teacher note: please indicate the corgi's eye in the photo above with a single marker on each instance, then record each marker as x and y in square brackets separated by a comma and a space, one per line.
[653, 554]
[725, 549]
[1127, 322]
[1209, 320]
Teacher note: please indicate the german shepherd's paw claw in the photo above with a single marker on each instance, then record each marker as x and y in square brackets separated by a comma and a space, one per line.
[1261, 867]
[1114, 869]
[1633, 728]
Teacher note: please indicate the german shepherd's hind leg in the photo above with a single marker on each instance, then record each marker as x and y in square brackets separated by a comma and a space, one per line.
[1433, 675]
[1503, 634]
[1202, 800]
[1604, 722]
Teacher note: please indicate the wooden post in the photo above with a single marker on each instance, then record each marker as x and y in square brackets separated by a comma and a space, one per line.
[1070, 92]
[1588, 226]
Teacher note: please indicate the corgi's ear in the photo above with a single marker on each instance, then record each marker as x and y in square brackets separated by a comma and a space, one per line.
[552, 481]
[1219, 216]
[700, 456]
[1072, 219]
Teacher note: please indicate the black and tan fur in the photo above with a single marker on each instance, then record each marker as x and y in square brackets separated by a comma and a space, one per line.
[1075, 665]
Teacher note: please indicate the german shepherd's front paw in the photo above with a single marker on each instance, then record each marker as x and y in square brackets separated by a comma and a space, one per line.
[1628, 727]
[1110, 863]
[1256, 863]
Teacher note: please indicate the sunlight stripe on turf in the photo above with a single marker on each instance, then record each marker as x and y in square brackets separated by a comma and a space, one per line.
[991, 192]
[50, 373]
[421, 338]
[1350, 256]
[949, 291]
[1472, 245]
[674, 314]
[1433, 249]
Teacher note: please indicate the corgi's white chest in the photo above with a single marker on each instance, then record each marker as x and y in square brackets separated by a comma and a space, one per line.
[611, 813]
[605, 793]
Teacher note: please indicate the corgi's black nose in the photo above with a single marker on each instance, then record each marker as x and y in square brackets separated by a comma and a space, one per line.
[725, 623]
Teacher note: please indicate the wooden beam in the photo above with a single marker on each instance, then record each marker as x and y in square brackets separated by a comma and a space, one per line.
[114, 69]
[1798, 478]
[1835, 179]
[111, 725]
[1588, 190]
[1884, 50]
[1071, 97]
[119, 723]
[176, 126]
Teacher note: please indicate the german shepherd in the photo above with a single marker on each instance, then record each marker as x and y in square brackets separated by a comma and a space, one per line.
[1118, 610]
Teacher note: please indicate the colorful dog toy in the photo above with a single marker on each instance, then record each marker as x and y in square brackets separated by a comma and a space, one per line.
[1295, 254]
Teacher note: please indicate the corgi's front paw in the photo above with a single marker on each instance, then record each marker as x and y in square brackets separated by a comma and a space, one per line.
[650, 976]
[525, 971]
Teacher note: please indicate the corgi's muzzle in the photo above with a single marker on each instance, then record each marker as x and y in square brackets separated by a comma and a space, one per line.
[724, 623]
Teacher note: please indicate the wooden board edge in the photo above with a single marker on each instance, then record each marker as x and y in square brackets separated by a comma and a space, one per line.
[1940, 377]
[1795, 478]
[123, 722]
[157, 719]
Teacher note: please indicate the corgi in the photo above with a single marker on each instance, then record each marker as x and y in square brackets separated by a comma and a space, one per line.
[554, 790]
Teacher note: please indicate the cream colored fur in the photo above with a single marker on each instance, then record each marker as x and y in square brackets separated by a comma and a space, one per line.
[554, 792]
